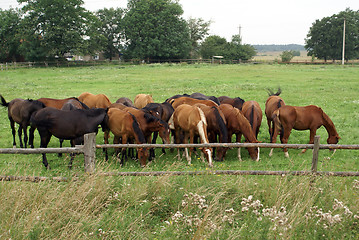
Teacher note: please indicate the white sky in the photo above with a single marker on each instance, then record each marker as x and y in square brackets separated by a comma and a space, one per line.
[261, 21]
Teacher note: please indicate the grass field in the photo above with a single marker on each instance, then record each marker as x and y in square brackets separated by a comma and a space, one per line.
[215, 207]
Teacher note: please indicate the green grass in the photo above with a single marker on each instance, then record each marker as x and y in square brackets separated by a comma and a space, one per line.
[145, 207]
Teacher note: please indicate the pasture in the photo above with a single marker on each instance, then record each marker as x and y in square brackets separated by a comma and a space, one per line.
[215, 207]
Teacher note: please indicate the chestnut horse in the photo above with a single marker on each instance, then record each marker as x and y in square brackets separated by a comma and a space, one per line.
[309, 117]
[238, 124]
[190, 121]
[235, 102]
[191, 101]
[20, 111]
[141, 100]
[55, 103]
[125, 127]
[273, 103]
[95, 101]
[253, 112]
[216, 126]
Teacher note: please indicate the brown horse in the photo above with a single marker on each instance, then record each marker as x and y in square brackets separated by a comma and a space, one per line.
[238, 124]
[235, 102]
[309, 117]
[20, 111]
[125, 101]
[253, 112]
[125, 127]
[141, 100]
[216, 126]
[55, 103]
[191, 101]
[190, 121]
[273, 103]
[95, 101]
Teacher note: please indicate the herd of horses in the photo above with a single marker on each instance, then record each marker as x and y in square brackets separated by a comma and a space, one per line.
[186, 118]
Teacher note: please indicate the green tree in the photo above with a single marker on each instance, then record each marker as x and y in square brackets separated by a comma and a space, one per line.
[213, 46]
[237, 51]
[112, 29]
[57, 27]
[287, 56]
[10, 37]
[198, 31]
[325, 37]
[155, 29]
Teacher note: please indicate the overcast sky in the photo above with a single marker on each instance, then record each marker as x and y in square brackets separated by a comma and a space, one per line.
[261, 21]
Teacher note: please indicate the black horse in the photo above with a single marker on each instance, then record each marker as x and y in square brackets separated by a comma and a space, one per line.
[20, 111]
[69, 125]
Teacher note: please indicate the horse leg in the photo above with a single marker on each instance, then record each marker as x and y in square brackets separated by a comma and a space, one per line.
[61, 142]
[311, 138]
[152, 150]
[270, 130]
[72, 155]
[45, 139]
[275, 133]
[12, 125]
[19, 132]
[24, 128]
[238, 140]
[31, 136]
[284, 136]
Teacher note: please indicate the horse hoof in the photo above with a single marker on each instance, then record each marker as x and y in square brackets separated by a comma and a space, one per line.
[286, 154]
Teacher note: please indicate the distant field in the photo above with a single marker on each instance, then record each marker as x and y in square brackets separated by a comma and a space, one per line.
[188, 207]
[275, 55]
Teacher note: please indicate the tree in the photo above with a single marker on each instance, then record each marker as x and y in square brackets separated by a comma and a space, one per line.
[325, 37]
[10, 34]
[287, 56]
[198, 31]
[57, 27]
[154, 29]
[112, 29]
[213, 46]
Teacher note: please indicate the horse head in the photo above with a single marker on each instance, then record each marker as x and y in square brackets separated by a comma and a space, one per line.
[142, 156]
[164, 131]
[334, 139]
[207, 151]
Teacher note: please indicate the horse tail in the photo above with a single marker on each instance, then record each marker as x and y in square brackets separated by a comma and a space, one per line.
[279, 103]
[271, 93]
[251, 116]
[222, 126]
[3, 101]
[137, 131]
[201, 125]
[276, 121]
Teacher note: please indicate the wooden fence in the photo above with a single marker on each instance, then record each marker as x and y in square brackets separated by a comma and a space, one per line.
[89, 150]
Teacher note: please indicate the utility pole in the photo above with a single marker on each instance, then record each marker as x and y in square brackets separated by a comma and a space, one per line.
[239, 32]
[343, 44]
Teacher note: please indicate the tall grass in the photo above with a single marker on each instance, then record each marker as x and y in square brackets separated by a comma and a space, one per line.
[214, 207]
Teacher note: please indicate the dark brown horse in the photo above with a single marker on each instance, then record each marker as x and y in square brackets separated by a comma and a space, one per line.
[309, 117]
[191, 101]
[69, 125]
[202, 96]
[253, 112]
[236, 102]
[20, 111]
[238, 124]
[95, 101]
[126, 128]
[125, 101]
[273, 103]
[216, 128]
[190, 121]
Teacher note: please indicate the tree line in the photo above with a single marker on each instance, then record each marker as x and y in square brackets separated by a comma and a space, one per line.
[146, 29]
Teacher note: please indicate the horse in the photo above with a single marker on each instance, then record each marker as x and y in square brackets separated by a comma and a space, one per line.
[309, 117]
[20, 111]
[253, 112]
[142, 100]
[236, 102]
[273, 103]
[150, 124]
[125, 101]
[191, 101]
[216, 126]
[176, 96]
[125, 126]
[191, 121]
[201, 96]
[238, 124]
[94, 101]
[69, 125]
[56, 103]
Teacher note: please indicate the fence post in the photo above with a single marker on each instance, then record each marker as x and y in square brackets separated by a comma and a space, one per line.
[315, 154]
[89, 152]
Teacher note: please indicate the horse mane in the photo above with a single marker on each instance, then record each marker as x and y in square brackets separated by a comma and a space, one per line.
[137, 130]
[36, 102]
[271, 93]
[222, 126]
[203, 117]
[329, 125]
[150, 118]
[248, 131]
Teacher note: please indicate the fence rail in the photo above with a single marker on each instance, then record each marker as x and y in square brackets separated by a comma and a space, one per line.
[89, 149]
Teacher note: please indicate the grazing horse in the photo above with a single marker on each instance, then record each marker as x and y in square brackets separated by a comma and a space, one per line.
[273, 103]
[125, 127]
[150, 124]
[56, 103]
[238, 124]
[309, 117]
[253, 112]
[95, 101]
[201, 96]
[20, 111]
[69, 125]
[191, 101]
[125, 101]
[216, 126]
[176, 96]
[141, 100]
[191, 121]
[235, 102]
